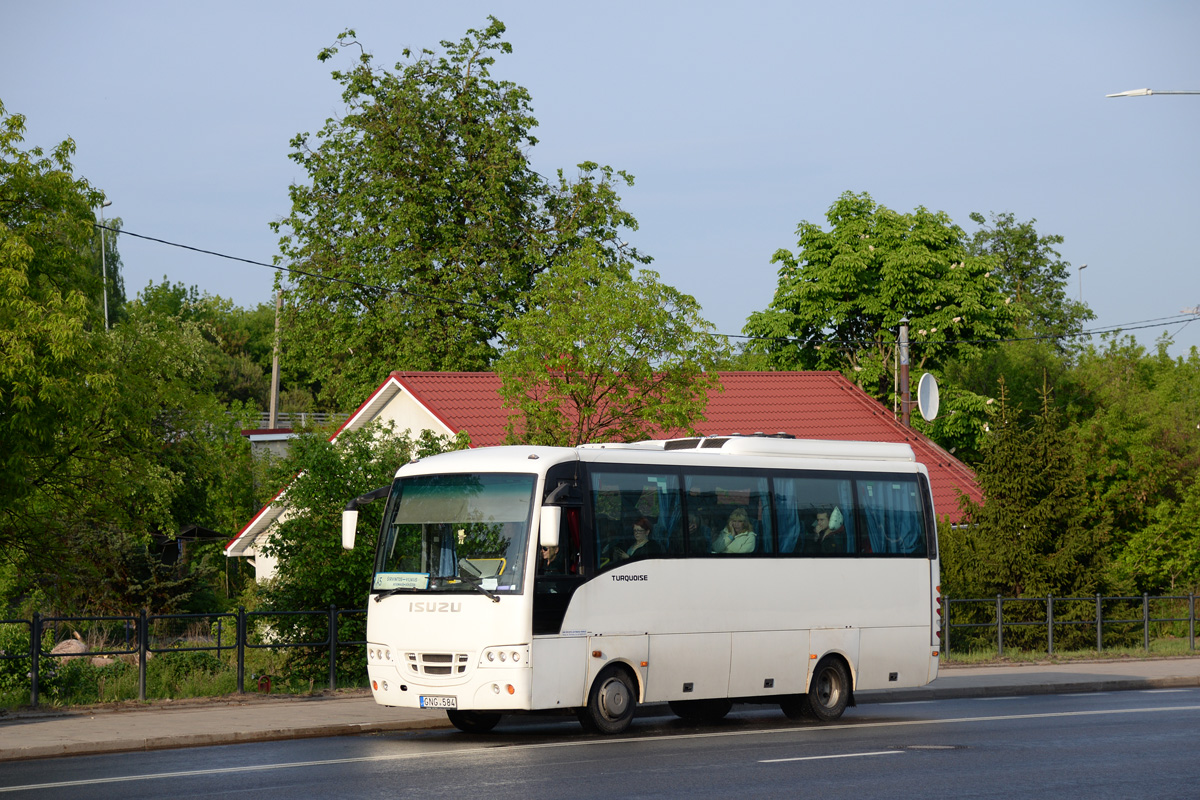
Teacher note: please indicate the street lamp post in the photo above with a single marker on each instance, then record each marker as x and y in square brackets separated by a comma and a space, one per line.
[1082, 267]
[103, 265]
[1148, 93]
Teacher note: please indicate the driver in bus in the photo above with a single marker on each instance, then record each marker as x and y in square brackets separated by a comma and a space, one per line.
[551, 562]
[737, 536]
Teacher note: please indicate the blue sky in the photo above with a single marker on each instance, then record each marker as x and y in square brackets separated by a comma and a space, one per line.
[738, 121]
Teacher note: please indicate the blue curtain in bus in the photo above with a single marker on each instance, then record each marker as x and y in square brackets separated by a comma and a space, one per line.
[893, 512]
[787, 514]
[670, 515]
[448, 563]
[846, 504]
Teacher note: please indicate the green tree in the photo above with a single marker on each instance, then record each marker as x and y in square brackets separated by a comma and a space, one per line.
[111, 437]
[1032, 535]
[1133, 414]
[423, 224]
[1032, 273]
[242, 340]
[842, 295]
[604, 356]
[48, 370]
[152, 452]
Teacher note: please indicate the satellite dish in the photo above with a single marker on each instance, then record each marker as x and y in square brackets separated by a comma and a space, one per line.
[928, 397]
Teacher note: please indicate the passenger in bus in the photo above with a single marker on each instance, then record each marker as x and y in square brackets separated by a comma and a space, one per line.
[737, 536]
[641, 547]
[829, 531]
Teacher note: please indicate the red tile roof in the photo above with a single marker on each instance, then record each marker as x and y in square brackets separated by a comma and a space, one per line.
[808, 405]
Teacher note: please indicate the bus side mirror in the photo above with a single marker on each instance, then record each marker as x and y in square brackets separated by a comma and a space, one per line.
[350, 513]
[349, 524]
[548, 526]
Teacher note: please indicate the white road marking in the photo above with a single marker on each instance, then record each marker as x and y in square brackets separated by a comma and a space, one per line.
[501, 749]
[839, 755]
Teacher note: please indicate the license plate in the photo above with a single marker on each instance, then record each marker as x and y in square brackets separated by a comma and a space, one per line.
[438, 701]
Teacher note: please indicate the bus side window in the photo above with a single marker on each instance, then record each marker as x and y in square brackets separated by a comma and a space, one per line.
[629, 502]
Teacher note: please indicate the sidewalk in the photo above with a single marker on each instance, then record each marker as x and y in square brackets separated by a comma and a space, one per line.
[256, 718]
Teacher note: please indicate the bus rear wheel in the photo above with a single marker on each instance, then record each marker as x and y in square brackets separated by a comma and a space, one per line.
[713, 710]
[610, 703]
[473, 721]
[829, 690]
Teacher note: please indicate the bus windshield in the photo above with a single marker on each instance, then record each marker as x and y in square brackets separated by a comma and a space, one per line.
[455, 533]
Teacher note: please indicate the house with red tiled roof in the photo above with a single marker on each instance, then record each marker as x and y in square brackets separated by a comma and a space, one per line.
[807, 405]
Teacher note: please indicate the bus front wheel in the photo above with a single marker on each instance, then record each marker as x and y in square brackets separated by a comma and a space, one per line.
[610, 703]
[829, 690]
[473, 721]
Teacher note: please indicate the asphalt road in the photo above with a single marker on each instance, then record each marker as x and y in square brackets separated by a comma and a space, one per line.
[1135, 744]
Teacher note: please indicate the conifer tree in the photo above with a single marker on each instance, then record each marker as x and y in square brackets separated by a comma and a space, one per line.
[1031, 535]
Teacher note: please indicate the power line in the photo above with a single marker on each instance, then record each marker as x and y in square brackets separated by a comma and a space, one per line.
[1185, 318]
[293, 270]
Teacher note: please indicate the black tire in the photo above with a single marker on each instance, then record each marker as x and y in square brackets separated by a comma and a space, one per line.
[829, 689]
[713, 710]
[473, 721]
[795, 706]
[610, 703]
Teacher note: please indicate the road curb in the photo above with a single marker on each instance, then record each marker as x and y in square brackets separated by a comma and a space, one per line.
[180, 741]
[434, 723]
[1020, 690]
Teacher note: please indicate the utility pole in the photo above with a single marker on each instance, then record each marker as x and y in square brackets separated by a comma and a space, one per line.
[904, 391]
[103, 264]
[275, 363]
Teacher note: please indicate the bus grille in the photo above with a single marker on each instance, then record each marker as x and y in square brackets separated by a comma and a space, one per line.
[437, 664]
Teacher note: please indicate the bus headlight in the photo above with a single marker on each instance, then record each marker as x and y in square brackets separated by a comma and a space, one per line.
[505, 656]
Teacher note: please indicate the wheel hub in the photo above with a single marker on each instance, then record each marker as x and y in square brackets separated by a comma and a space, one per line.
[614, 699]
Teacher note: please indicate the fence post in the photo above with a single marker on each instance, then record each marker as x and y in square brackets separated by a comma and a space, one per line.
[143, 648]
[333, 643]
[1099, 626]
[1192, 621]
[35, 651]
[1050, 624]
[241, 650]
[1146, 621]
[999, 626]
[946, 626]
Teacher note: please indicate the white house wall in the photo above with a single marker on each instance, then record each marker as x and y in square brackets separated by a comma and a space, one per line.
[408, 414]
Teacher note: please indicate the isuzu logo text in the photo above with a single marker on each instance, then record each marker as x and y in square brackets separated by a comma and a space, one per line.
[435, 607]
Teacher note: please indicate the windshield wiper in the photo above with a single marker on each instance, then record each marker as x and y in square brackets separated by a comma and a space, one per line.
[388, 593]
[475, 581]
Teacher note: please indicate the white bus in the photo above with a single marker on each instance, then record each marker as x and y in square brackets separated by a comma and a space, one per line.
[695, 572]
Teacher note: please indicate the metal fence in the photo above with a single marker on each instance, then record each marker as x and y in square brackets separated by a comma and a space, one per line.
[144, 634]
[1111, 617]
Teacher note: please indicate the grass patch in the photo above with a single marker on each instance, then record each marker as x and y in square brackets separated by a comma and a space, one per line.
[1159, 648]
